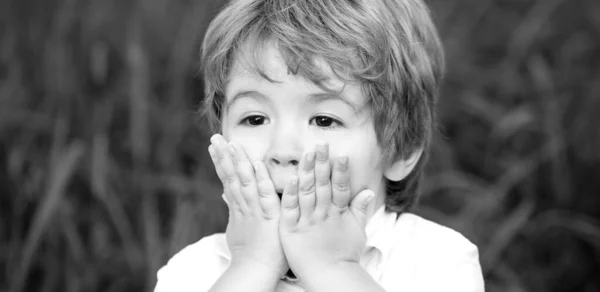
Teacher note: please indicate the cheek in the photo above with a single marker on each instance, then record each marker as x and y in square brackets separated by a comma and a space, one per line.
[364, 154]
[253, 145]
[364, 170]
[250, 143]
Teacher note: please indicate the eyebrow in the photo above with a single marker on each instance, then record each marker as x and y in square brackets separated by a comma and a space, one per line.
[315, 97]
[320, 97]
[246, 93]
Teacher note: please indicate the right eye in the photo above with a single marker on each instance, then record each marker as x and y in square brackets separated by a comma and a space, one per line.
[254, 120]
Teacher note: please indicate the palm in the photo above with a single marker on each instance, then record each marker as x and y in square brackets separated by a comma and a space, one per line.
[340, 238]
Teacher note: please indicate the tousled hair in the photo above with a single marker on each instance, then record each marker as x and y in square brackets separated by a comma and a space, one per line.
[390, 47]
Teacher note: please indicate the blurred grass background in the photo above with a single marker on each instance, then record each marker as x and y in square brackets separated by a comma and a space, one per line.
[104, 172]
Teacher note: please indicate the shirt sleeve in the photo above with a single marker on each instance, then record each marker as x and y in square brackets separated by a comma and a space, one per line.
[430, 257]
[195, 268]
[457, 270]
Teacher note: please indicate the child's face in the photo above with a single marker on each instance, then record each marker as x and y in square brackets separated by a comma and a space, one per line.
[276, 122]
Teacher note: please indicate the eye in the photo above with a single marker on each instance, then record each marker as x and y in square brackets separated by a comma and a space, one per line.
[325, 122]
[254, 120]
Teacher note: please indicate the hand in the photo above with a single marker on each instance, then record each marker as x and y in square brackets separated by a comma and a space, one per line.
[254, 209]
[320, 225]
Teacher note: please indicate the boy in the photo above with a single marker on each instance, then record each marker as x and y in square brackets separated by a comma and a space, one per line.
[326, 112]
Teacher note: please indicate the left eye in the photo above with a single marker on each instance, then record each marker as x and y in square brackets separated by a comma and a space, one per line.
[325, 122]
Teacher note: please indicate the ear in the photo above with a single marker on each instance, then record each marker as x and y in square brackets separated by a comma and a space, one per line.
[399, 169]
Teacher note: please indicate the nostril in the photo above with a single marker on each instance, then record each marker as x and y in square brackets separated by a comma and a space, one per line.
[292, 162]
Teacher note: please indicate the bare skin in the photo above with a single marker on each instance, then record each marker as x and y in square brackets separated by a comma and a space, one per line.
[317, 229]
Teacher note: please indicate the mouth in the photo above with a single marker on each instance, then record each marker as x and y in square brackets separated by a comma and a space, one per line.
[279, 192]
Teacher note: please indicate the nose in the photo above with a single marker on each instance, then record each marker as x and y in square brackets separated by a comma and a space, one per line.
[286, 147]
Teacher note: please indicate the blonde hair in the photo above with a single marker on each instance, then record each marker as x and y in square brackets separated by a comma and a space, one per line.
[390, 47]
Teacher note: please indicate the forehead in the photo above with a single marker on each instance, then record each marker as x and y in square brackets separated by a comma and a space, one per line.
[265, 63]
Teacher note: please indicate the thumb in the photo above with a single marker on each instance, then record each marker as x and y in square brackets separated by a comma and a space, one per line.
[360, 206]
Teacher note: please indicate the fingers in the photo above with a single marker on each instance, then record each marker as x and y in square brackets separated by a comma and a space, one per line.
[340, 183]
[317, 188]
[290, 205]
[215, 160]
[245, 175]
[247, 186]
[267, 196]
[322, 180]
[228, 173]
[224, 167]
[306, 184]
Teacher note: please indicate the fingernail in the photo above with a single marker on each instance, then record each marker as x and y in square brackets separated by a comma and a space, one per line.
[214, 138]
[321, 145]
[310, 156]
[211, 151]
[322, 151]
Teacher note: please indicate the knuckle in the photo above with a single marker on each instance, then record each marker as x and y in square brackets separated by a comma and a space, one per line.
[268, 217]
[290, 207]
[341, 187]
[220, 155]
[364, 210]
[341, 209]
[341, 167]
[308, 171]
[322, 161]
[235, 209]
[322, 157]
[321, 215]
[307, 187]
[322, 181]
[245, 183]
[263, 192]
[262, 181]
[312, 221]
[306, 193]
[231, 179]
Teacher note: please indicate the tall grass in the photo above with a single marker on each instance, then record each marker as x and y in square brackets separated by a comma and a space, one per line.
[104, 173]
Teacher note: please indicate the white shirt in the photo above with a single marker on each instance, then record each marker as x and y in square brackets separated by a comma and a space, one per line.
[405, 254]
